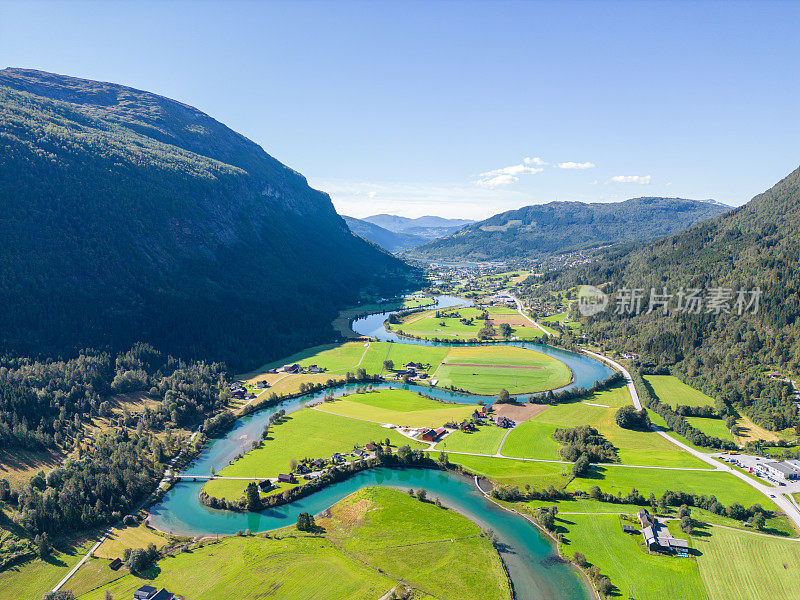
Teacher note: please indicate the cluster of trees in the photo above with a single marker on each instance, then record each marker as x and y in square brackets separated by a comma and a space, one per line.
[138, 559]
[44, 403]
[675, 421]
[585, 441]
[305, 522]
[109, 479]
[603, 583]
[629, 418]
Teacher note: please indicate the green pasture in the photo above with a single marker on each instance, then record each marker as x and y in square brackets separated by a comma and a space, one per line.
[673, 391]
[306, 433]
[740, 565]
[622, 558]
[486, 440]
[301, 567]
[399, 407]
[436, 550]
[488, 369]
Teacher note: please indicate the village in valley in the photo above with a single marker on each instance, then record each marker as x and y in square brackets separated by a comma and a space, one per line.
[487, 386]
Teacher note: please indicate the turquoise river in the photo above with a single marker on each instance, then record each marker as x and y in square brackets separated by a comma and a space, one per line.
[533, 564]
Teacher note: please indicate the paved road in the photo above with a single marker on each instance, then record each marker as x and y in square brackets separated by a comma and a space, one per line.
[519, 310]
[774, 494]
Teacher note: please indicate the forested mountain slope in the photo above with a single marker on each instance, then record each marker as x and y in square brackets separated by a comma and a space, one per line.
[129, 216]
[535, 231]
[729, 355]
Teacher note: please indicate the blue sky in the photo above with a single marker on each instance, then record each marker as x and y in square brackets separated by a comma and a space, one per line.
[433, 107]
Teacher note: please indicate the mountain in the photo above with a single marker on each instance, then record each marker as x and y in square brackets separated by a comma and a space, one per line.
[428, 228]
[128, 216]
[727, 355]
[535, 231]
[388, 240]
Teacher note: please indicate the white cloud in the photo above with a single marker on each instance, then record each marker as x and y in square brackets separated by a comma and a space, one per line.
[576, 165]
[534, 161]
[508, 175]
[372, 194]
[641, 179]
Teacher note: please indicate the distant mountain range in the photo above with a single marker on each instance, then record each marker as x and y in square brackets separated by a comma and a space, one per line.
[539, 230]
[430, 227]
[395, 233]
[131, 217]
[386, 239]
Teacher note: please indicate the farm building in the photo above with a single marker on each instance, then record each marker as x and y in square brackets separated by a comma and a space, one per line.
[284, 478]
[645, 519]
[148, 592]
[504, 422]
[658, 538]
[431, 435]
[628, 528]
[265, 485]
[371, 447]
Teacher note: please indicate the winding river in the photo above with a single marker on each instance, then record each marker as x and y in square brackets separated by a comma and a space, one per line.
[534, 567]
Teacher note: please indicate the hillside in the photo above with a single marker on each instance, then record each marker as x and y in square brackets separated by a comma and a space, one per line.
[129, 216]
[728, 355]
[535, 231]
[428, 227]
[388, 240]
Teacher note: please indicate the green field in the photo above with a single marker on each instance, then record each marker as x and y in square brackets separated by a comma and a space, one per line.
[622, 558]
[427, 325]
[437, 551]
[726, 487]
[486, 440]
[289, 568]
[515, 472]
[533, 439]
[488, 369]
[340, 359]
[673, 391]
[399, 407]
[32, 579]
[738, 565]
[714, 427]
[371, 540]
[306, 433]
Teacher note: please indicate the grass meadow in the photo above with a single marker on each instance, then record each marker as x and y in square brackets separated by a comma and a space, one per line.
[399, 407]
[486, 440]
[488, 369]
[622, 558]
[743, 565]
